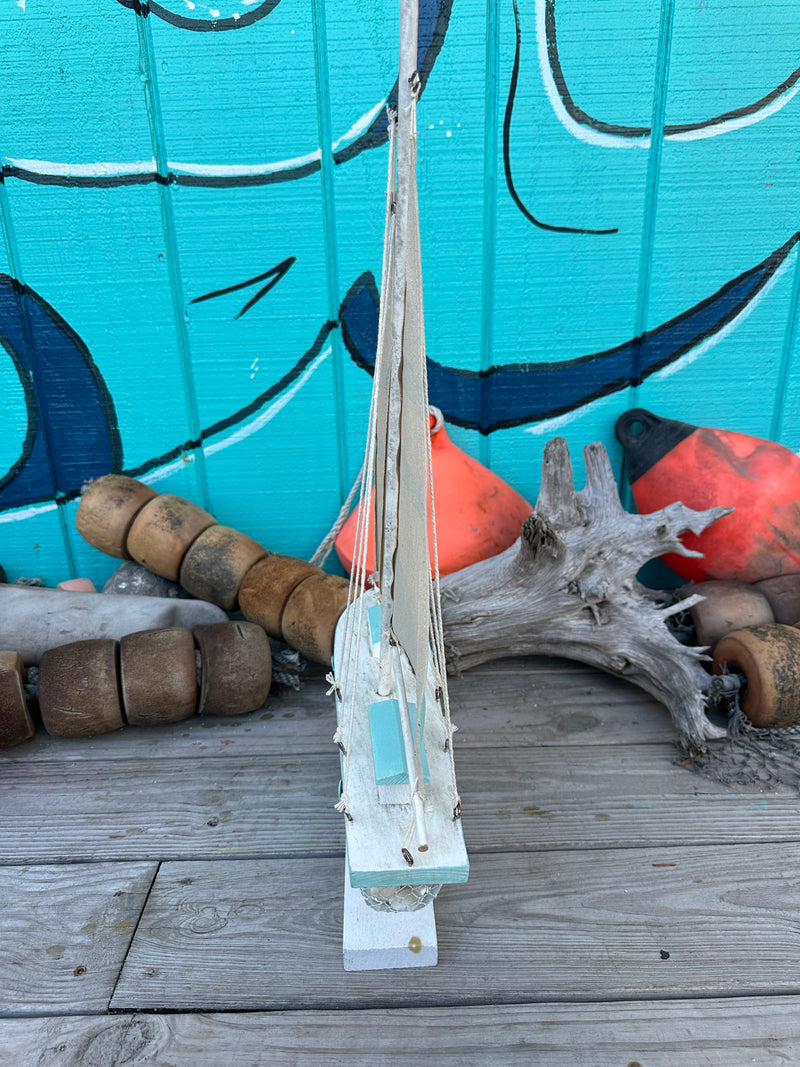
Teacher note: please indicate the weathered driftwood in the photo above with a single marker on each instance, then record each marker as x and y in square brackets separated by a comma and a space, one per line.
[568, 588]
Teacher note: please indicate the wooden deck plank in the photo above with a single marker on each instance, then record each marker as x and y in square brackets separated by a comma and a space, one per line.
[514, 799]
[705, 1033]
[64, 932]
[515, 702]
[596, 925]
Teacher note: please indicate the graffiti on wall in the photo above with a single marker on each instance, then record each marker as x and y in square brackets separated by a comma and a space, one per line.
[614, 250]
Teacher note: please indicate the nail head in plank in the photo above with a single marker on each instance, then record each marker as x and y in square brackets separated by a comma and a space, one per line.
[592, 925]
[64, 932]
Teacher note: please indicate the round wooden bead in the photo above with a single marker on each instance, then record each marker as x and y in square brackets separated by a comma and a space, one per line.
[727, 606]
[158, 674]
[163, 531]
[309, 618]
[107, 509]
[216, 563]
[769, 658]
[16, 724]
[783, 594]
[268, 585]
[236, 667]
[79, 688]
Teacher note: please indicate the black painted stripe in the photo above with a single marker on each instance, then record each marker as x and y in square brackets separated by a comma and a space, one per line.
[583, 118]
[512, 92]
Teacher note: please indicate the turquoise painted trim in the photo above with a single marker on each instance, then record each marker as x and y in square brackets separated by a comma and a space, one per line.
[455, 875]
[788, 355]
[147, 61]
[654, 170]
[657, 123]
[491, 148]
[388, 750]
[374, 618]
[325, 128]
[388, 754]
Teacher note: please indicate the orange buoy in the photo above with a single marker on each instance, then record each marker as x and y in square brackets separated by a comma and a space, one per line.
[477, 514]
[671, 461]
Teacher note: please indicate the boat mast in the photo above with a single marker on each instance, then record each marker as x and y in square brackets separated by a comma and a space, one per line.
[400, 255]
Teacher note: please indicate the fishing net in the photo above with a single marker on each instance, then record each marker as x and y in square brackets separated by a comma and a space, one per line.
[400, 897]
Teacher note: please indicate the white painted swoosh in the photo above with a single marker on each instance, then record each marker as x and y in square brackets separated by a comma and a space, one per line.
[145, 168]
[611, 140]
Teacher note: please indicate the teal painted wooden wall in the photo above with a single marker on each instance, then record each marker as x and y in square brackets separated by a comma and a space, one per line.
[610, 194]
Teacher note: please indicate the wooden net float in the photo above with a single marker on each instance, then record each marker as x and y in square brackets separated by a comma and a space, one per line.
[16, 724]
[164, 530]
[158, 676]
[107, 510]
[310, 615]
[769, 659]
[783, 594]
[727, 606]
[216, 563]
[79, 693]
[236, 667]
[267, 587]
[178, 540]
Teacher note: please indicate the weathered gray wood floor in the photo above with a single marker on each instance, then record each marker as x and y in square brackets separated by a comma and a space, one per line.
[172, 896]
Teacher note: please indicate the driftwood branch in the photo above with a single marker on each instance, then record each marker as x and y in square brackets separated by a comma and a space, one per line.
[568, 588]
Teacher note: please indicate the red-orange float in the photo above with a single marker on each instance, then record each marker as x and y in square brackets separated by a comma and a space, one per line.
[477, 514]
[671, 461]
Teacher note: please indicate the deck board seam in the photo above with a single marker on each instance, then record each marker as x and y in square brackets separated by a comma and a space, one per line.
[588, 1001]
[438, 1002]
[304, 753]
[134, 931]
[250, 857]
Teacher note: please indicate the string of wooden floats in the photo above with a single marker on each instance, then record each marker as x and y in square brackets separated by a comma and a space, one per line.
[94, 686]
[755, 636]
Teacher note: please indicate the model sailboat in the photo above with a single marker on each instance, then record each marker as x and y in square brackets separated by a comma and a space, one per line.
[399, 793]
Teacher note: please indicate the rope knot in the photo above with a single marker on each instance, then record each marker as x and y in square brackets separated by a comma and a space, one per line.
[333, 688]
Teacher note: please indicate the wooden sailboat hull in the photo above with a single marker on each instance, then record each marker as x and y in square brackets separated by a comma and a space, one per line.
[380, 830]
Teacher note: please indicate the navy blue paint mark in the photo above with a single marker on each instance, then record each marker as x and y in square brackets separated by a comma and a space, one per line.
[516, 393]
[201, 25]
[584, 119]
[512, 93]
[274, 274]
[434, 19]
[72, 429]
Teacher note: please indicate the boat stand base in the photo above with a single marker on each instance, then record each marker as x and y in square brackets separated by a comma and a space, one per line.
[381, 940]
